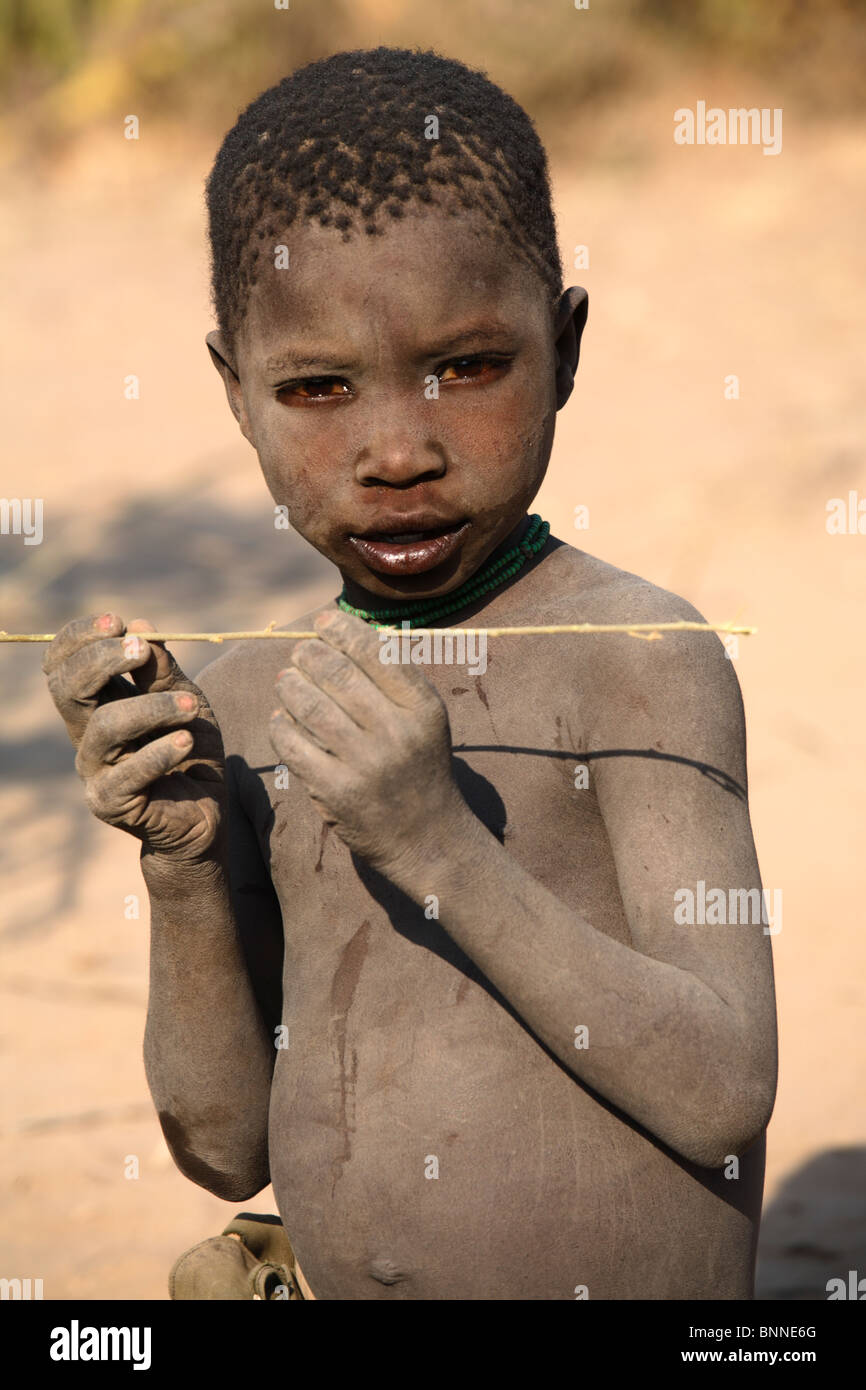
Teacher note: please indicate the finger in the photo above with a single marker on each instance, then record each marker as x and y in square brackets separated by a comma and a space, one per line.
[112, 794]
[315, 766]
[405, 685]
[77, 684]
[74, 636]
[342, 679]
[316, 712]
[160, 671]
[112, 728]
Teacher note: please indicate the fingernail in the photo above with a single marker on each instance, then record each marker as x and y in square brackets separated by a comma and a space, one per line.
[132, 646]
[185, 701]
[104, 622]
[182, 740]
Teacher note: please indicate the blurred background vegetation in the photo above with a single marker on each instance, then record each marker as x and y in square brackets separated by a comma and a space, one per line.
[69, 65]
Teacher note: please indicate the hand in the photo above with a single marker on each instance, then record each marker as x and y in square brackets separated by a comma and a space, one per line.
[166, 789]
[371, 744]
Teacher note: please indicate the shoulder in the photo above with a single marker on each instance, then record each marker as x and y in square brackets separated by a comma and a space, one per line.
[638, 683]
[590, 587]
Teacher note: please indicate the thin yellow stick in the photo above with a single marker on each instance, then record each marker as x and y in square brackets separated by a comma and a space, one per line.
[648, 631]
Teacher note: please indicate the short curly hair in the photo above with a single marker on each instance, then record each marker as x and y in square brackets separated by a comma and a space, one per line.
[346, 141]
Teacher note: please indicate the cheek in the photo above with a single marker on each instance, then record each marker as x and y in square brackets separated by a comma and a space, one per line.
[534, 417]
[297, 466]
[513, 436]
[304, 490]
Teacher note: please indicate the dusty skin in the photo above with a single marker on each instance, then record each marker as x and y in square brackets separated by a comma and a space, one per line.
[543, 1185]
[410, 1037]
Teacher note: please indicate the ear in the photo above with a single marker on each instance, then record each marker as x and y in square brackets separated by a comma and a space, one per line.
[223, 361]
[569, 324]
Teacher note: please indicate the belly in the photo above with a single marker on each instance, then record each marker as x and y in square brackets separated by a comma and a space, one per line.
[424, 1145]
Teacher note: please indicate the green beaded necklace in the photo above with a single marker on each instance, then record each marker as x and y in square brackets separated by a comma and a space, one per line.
[490, 576]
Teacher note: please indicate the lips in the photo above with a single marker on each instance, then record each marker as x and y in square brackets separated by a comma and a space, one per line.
[409, 544]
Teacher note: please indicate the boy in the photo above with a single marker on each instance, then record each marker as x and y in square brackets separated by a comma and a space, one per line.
[503, 1067]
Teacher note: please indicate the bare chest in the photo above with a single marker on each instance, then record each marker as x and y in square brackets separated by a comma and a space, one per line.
[519, 759]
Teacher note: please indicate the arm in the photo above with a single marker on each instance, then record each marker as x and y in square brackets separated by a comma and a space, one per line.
[681, 1023]
[214, 1000]
[209, 1054]
[150, 754]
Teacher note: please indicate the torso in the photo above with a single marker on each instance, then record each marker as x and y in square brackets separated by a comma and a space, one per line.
[402, 1064]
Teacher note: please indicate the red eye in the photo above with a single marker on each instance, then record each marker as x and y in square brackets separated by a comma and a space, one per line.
[321, 388]
[473, 368]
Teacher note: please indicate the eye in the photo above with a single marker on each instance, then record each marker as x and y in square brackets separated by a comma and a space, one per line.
[477, 368]
[313, 388]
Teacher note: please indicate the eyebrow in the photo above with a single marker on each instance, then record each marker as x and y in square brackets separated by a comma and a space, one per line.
[291, 361]
[314, 360]
[486, 332]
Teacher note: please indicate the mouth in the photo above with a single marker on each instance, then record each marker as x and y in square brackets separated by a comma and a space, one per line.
[409, 547]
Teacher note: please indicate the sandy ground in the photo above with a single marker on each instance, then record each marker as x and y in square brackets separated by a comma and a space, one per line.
[703, 263]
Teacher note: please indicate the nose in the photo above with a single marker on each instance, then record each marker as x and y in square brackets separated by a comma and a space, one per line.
[399, 453]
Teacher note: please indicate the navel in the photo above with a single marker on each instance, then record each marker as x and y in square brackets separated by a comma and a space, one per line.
[385, 1271]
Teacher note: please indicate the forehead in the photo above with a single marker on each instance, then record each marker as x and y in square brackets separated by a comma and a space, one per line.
[423, 272]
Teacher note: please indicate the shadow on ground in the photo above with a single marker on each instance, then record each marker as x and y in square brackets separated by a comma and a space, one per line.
[815, 1229]
[185, 561]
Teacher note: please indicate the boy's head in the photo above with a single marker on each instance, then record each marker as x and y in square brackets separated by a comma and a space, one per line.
[392, 330]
